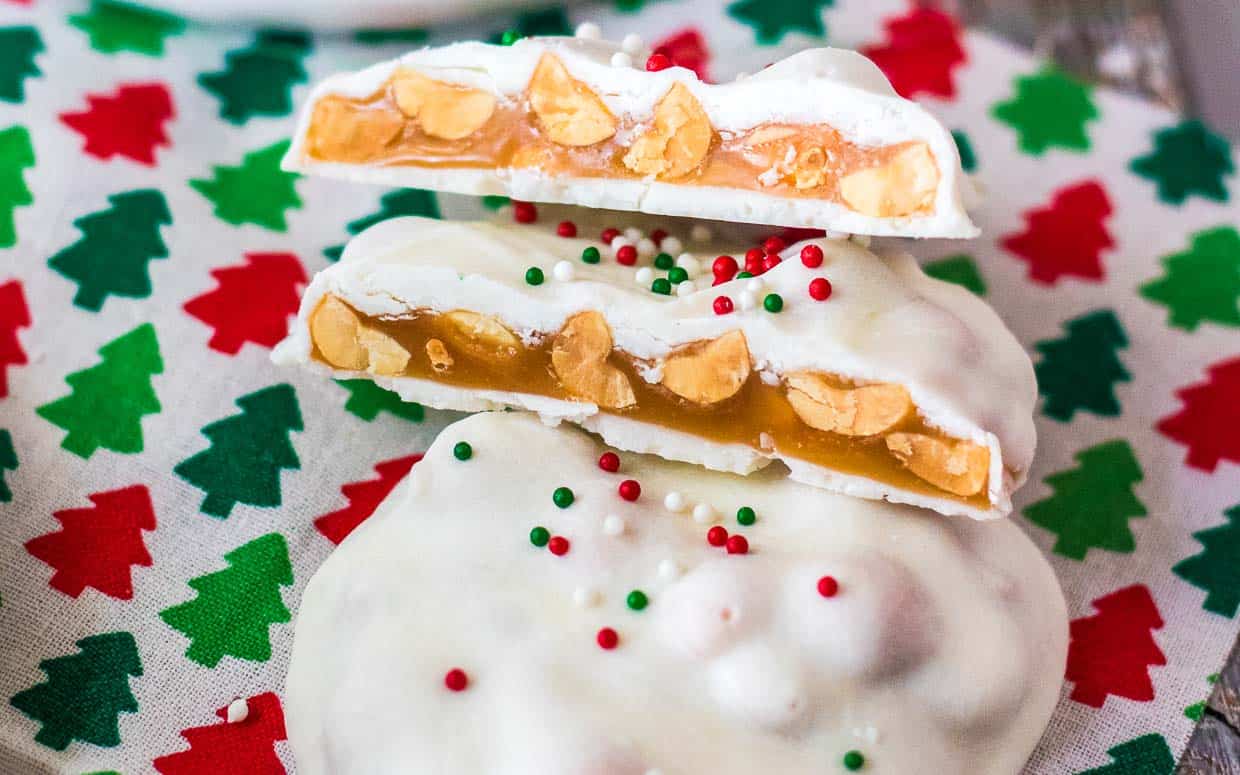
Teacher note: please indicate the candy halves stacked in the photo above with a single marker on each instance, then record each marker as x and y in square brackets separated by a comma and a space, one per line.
[854, 371]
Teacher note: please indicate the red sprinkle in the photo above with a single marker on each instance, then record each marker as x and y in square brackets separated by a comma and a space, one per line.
[657, 236]
[566, 229]
[774, 244]
[717, 535]
[630, 489]
[558, 545]
[627, 255]
[607, 638]
[658, 62]
[828, 586]
[723, 305]
[753, 260]
[820, 288]
[524, 212]
[608, 235]
[770, 261]
[724, 268]
[609, 462]
[737, 544]
[456, 680]
[811, 256]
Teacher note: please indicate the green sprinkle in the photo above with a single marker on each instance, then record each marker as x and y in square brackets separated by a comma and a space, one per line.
[664, 261]
[562, 497]
[509, 37]
[773, 302]
[745, 515]
[533, 276]
[662, 285]
[677, 275]
[590, 255]
[853, 761]
[637, 600]
[462, 451]
[539, 536]
[743, 275]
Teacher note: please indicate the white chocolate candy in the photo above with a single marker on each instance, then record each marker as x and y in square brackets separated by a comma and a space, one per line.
[947, 638]
[886, 322]
[912, 187]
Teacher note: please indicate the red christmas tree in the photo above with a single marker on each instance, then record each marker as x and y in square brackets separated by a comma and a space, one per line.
[253, 301]
[364, 497]
[687, 48]
[922, 49]
[13, 315]
[246, 745]
[1209, 423]
[1066, 238]
[97, 545]
[129, 123]
[1110, 652]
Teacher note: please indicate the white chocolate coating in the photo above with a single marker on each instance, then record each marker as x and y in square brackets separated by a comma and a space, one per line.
[886, 321]
[941, 652]
[836, 87]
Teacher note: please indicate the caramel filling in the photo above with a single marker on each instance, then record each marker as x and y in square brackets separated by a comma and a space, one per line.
[559, 126]
[707, 389]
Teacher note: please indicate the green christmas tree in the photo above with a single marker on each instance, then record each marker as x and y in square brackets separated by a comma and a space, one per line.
[258, 80]
[257, 191]
[405, 201]
[234, 607]
[18, 47]
[1145, 755]
[1217, 568]
[1198, 709]
[8, 462]
[1187, 159]
[84, 693]
[1050, 109]
[247, 452]
[16, 154]
[117, 244]
[367, 400]
[960, 269]
[114, 26]
[772, 20]
[108, 401]
[1093, 502]
[968, 159]
[1080, 370]
[1201, 283]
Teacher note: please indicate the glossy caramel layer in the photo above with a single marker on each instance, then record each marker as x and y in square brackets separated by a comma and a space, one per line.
[795, 161]
[758, 415]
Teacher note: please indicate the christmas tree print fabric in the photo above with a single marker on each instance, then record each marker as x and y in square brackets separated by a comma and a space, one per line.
[166, 492]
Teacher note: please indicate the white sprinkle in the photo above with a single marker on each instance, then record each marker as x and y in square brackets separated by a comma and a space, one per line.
[671, 245]
[238, 711]
[705, 514]
[633, 234]
[669, 569]
[675, 502]
[644, 276]
[768, 377]
[749, 300]
[755, 285]
[700, 233]
[621, 59]
[585, 597]
[685, 288]
[613, 525]
[563, 271]
[691, 265]
[618, 243]
[770, 177]
[632, 44]
[836, 235]
[589, 31]
[646, 247]
[861, 239]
